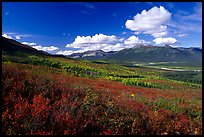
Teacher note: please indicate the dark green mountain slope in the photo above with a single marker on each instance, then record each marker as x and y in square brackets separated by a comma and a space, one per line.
[13, 47]
[147, 54]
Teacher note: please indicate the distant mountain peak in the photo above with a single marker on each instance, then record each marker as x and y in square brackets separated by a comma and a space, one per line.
[142, 45]
[165, 53]
[167, 45]
[91, 54]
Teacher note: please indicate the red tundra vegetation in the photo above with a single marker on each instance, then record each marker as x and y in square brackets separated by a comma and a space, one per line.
[36, 102]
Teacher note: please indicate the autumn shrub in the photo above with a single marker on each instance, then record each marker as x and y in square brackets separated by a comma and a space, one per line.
[37, 102]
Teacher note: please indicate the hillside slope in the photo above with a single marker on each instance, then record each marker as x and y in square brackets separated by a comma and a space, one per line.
[12, 47]
[147, 54]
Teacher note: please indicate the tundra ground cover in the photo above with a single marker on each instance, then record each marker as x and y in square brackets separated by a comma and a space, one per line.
[129, 76]
[47, 100]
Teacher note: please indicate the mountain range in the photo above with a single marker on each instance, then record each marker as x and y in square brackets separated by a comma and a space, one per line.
[148, 54]
[92, 55]
[138, 54]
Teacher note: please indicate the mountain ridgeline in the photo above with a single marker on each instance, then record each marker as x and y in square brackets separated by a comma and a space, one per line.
[92, 55]
[148, 54]
[13, 47]
[138, 54]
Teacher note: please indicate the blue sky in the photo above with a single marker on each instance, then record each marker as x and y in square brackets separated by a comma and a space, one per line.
[70, 27]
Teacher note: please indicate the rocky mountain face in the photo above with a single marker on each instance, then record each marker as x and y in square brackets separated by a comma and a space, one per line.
[92, 55]
[165, 53]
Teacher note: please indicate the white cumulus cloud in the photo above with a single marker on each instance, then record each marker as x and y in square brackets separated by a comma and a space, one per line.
[18, 37]
[96, 42]
[39, 47]
[15, 35]
[100, 42]
[51, 48]
[30, 44]
[6, 36]
[66, 52]
[168, 41]
[25, 43]
[132, 40]
[84, 41]
[150, 22]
